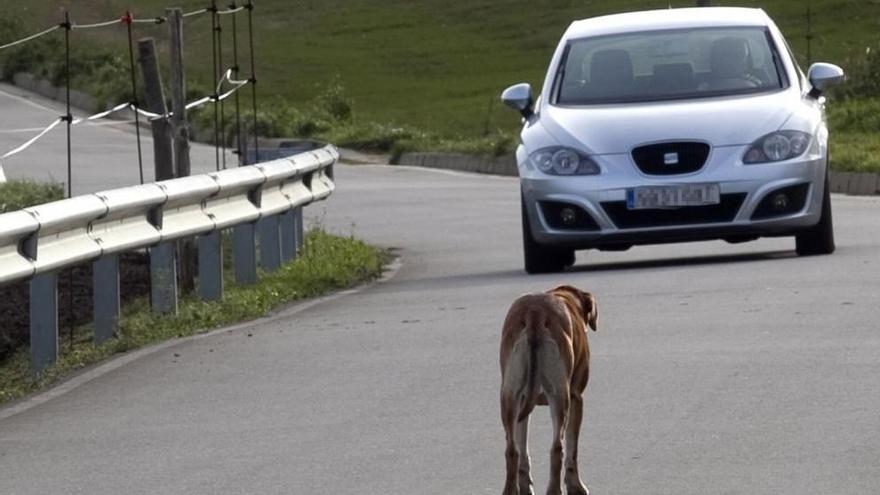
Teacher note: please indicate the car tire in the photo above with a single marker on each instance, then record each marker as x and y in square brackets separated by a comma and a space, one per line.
[538, 258]
[819, 239]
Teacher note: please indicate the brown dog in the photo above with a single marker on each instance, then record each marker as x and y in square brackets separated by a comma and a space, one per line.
[545, 359]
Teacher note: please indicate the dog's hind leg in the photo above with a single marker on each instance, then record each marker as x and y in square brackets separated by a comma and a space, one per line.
[509, 411]
[573, 483]
[554, 378]
[522, 446]
[558, 413]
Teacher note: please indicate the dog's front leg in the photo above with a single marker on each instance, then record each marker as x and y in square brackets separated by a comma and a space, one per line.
[573, 483]
[522, 446]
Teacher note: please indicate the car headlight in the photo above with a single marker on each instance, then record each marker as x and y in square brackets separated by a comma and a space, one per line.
[778, 146]
[563, 161]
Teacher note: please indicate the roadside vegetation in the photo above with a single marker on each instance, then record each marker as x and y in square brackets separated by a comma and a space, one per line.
[401, 75]
[18, 194]
[326, 263]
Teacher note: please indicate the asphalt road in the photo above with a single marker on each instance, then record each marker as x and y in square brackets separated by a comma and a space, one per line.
[717, 369]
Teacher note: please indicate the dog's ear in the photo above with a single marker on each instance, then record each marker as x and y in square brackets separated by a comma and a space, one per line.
[591, 310]
[588, 304]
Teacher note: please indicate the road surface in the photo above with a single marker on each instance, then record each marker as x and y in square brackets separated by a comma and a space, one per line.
[717, 368]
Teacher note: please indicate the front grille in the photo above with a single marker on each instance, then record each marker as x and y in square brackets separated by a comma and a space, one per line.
[671, 158]
[625, 218]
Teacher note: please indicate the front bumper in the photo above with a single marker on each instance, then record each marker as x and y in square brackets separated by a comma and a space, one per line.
[603, 196]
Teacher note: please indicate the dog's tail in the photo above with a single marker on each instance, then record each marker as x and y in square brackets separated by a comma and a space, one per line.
[534, 324]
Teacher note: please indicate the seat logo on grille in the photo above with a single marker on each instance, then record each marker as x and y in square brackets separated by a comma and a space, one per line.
[670, 158]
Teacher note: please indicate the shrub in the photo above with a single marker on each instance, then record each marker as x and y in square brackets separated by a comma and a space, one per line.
[18, 194]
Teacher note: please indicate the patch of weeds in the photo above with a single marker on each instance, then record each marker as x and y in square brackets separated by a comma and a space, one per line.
[18, 194]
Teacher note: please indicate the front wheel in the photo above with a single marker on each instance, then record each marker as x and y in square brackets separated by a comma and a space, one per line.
[538, 258]
[819, 239]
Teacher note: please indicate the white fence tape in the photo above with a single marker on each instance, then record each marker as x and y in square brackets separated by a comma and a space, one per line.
[71, 231]
[226, 78]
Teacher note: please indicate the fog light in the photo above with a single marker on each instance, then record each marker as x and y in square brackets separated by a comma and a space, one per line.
[780, 202]
[568, 216]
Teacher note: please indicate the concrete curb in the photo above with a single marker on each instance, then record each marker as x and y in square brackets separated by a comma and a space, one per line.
[502, 165]
[44, 88]
[852, 183]
[855, 183]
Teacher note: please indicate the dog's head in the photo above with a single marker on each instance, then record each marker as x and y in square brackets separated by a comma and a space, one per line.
[585, 300]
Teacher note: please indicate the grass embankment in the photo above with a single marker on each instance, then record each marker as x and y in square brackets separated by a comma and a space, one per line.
[18, 194]
[417, 74]
[326, 263]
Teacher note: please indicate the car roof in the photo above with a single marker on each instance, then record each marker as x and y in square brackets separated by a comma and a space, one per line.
[658, 20]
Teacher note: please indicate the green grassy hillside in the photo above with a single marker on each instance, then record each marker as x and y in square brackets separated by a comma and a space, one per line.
[438, 65]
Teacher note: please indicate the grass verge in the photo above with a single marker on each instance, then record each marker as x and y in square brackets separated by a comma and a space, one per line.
[326, 263]
[18, 194]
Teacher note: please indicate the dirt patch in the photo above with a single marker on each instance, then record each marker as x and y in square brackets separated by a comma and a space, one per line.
[74, 300]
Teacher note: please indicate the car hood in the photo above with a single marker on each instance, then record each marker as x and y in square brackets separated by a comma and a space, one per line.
[607, 129]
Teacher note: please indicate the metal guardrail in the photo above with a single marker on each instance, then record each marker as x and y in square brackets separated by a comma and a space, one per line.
[267, 197]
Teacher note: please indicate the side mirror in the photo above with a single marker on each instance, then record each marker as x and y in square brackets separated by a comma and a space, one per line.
[822, 76]
[519, 98]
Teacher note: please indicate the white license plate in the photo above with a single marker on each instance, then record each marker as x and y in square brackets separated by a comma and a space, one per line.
[672, 196]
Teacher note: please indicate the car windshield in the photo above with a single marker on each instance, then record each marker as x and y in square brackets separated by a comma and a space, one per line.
[666, 65]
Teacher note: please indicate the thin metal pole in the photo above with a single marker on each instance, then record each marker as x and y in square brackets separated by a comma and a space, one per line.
[134, 98]
[219, 35]
[241, 158]
[67, 117]
[216, 78]
[253, 79]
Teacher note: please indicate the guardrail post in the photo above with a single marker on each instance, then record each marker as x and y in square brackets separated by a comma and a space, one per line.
[163, 278]
[270, 243]
[244, 253]
[105, 278]
[211, 266]
[44, 321]
[300, 228]
[287, 226]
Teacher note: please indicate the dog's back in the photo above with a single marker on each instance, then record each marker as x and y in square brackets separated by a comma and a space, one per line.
[532, 359]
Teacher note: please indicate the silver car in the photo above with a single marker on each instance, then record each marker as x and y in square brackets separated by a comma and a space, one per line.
[670, 126]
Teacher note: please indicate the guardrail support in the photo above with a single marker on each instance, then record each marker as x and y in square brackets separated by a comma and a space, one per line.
[287, 227]
[211, 266]
[163, 278]
[44, 321]
[270, 243]
[244, 253]
[300, 228]
[105, 278]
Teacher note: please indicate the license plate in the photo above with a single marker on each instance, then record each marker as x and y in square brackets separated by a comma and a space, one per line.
[672, 196]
